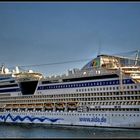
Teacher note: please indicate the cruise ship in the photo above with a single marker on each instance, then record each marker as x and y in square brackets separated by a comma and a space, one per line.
[105, 93]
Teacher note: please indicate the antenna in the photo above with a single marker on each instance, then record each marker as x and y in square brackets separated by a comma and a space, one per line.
[99, 49]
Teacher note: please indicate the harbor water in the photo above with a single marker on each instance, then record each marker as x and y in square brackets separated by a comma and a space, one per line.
[44, 131]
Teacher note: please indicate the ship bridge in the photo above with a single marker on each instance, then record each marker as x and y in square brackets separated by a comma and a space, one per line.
[112, 62]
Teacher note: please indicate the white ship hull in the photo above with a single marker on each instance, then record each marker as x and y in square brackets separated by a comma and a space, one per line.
[123, 120]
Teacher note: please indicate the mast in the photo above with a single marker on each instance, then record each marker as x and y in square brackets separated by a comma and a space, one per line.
[121, 79]
[137, 56]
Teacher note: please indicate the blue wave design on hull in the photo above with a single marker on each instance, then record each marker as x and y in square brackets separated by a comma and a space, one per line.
[27, 117]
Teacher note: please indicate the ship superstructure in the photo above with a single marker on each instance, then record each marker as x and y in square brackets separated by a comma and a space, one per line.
[105, 92]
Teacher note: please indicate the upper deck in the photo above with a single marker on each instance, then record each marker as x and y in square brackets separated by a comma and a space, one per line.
[103, 65]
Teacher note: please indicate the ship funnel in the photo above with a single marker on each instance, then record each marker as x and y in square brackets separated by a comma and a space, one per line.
[17, 69]
[6, 70]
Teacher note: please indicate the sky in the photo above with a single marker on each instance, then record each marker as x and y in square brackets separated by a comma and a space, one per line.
[34, 33]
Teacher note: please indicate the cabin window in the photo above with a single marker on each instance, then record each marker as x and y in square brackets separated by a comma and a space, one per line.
[124, 81]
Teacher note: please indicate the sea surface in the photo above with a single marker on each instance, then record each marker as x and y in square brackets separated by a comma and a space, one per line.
[45, 131]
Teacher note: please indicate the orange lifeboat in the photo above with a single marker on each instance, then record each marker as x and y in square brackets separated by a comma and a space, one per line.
[22, 105]
[72, 105]
[60, 105]
[48, 105]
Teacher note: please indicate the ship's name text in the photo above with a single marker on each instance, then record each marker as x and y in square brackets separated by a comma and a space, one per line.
[95, 119]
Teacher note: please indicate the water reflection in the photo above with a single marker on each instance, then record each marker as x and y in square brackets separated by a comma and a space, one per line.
[45, 131]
